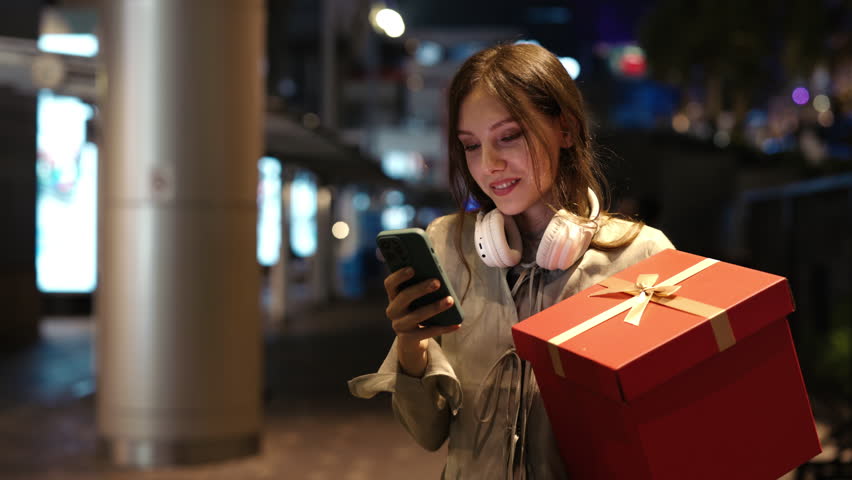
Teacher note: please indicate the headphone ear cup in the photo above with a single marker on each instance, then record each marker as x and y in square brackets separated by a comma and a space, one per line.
[498, 240]
[563, 242]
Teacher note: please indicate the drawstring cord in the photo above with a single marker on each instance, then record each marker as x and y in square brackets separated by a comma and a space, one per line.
[517, 411]
[532, 268]
[510, 365]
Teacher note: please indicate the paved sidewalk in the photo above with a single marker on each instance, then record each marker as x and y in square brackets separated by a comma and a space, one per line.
[314, 429]
[323, 442]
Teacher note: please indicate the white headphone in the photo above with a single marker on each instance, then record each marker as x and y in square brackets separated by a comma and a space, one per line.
[566, 238]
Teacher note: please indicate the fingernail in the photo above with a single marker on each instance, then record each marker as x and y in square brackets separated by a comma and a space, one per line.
[408, 270]
[448, 301]
[434, 285]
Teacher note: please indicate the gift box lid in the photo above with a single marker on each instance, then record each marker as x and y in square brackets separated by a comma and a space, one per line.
[622, 360]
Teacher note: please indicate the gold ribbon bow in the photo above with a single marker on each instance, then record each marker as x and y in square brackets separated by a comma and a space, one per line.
[646, 290]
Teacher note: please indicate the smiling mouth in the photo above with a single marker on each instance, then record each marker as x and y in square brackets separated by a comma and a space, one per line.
[504, 187]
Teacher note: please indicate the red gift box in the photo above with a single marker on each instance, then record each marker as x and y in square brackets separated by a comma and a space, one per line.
[703, 384]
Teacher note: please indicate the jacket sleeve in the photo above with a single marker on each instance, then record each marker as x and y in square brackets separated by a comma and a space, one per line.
[424, 405]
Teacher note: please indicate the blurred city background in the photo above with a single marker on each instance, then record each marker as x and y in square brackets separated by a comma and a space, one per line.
[727, 124]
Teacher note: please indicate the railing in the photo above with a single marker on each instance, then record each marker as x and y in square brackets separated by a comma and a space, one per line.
[803, 231]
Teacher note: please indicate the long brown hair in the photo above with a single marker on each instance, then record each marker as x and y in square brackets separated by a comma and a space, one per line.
[524, 77]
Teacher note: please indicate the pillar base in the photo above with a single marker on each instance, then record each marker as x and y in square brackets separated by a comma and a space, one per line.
[146, 453]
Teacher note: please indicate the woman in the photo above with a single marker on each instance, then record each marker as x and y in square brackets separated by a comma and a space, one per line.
[519, 144]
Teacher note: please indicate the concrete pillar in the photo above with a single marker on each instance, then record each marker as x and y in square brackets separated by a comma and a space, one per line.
[179, 336]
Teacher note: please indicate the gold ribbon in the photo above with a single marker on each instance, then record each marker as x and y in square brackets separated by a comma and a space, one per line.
[644, 291]
[644, 288]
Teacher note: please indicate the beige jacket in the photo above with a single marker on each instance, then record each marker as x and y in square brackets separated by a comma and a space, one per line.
[476, 392]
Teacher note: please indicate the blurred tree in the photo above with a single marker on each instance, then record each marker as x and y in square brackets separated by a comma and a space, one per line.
[737, 51]
[806, 31]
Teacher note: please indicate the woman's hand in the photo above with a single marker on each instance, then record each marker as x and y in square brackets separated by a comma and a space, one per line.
[412, 339]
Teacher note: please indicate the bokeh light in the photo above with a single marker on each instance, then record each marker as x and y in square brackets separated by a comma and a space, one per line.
[390, 22]
[826, 119]
[680, 123]
[303, 211]
[429, 53]
[801, 95]
[340, 230]
[726, 121]
[571, 65]
[311, 120]
[80, 44]
[822, 103]
[528, 41]
[632, 63]
[394, 198]
[722, 139]
[361, 201]
[394, 218]
[269, 211]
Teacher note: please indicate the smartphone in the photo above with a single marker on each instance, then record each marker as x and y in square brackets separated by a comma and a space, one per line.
[410, 247]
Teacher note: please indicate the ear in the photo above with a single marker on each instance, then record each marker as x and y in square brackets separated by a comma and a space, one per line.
[567, 126]
[567, 139]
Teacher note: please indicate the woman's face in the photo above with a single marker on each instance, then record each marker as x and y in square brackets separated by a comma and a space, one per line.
[498, 154]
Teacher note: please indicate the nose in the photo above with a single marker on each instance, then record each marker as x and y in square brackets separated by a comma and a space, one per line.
[491, 161]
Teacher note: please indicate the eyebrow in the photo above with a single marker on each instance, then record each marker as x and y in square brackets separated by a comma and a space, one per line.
[492, 127]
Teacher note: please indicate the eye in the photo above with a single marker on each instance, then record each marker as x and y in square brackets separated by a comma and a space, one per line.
[471, 147]
[511, 137]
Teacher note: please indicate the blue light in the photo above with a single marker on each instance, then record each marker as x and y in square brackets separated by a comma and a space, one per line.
[460, 52]
[402, 165]
[303, 238]
[528, 42]
[66, 202]
[395, 217]
[429, 53]
[269, 212]
[361, 201]
[571, 65]
[303, 211]
[79, 44]
[394, 198]
[471, 205]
